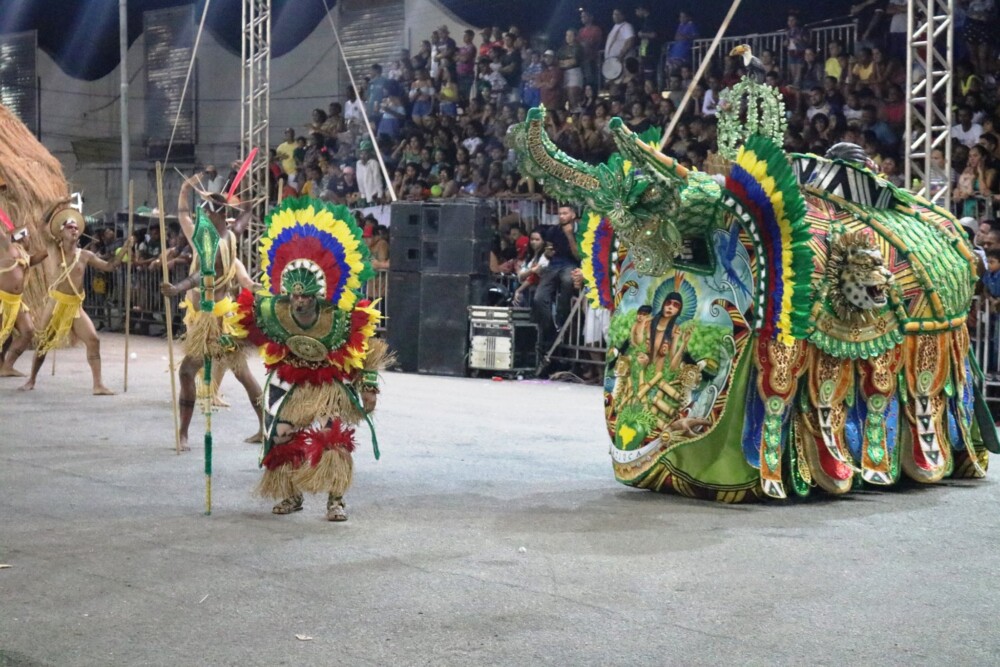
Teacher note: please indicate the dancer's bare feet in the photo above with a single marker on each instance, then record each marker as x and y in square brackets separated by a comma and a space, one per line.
[101, 390]
[6, 372]
[256, 438]
[27, 386]
[219, 401]
[184, 444]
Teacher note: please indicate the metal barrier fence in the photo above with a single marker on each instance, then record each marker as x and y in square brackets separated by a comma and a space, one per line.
[984, 329]
[819, 37]
[532, 210]
[978, 206]
[582, 339]
[106, 304]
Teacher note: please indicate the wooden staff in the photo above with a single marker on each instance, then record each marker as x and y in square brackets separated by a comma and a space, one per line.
[128, 277]
[166, 308]
[701, 70]
[53, 362]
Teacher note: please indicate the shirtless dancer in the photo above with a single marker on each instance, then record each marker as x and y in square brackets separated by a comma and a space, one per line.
[203, 329]
[64, 309]
[14, 317]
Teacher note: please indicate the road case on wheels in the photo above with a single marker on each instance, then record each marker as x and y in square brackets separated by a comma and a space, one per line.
[502, 339]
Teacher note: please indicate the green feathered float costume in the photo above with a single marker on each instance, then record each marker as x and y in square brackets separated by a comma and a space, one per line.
[789, 323]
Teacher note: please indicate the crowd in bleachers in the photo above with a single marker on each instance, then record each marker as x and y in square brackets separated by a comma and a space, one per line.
[440, 113]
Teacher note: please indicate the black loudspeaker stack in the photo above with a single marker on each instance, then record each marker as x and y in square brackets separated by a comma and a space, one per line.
[439, 265]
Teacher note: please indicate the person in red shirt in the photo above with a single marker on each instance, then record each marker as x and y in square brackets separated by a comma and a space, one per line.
[895, 108]
[484, 48]
[591, 39]
[549, 82]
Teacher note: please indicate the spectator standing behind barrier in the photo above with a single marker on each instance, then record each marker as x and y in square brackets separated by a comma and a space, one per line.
[679, 51]
[570, 56]
[796, 41]
[371, 187]
[448, 95]
[510, 66]
[531, 269]
[487, 42]
[645, 34]
[104, 244]
[531, 96]
[977, 180]
[991, 280]
[497, 84]
[550, 82]
[352, 109]
[150, 247]
[621, 38]
[556, 283]
[393, 114]
[378, 91]
[591, 39]
[833, 65]
[421, 96]
[286, 152]
[446, 49]
[465, 63]
[965, 130]
[213, 181]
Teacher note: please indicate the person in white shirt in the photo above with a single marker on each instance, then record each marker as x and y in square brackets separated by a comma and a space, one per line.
[621, 38]
[710, 103]
[371, 187]
[352, 108]
[213, 182]
[966, 131]
[817, 104]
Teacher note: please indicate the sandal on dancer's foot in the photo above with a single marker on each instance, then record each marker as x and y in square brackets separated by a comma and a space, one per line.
[335, 509]
[288, 505]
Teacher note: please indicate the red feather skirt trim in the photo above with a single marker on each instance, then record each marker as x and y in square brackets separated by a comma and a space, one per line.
[308, 446]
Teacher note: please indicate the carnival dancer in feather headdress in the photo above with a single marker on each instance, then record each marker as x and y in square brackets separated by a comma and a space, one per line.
[210, 317]
[317, 340]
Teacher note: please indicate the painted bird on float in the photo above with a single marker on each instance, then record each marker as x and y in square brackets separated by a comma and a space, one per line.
[792, 322]
[754, 67]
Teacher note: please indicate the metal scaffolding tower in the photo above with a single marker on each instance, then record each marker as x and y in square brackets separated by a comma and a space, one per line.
[930, 40]
[255, 117]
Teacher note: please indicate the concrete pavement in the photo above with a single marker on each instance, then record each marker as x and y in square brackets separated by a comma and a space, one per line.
[491, 533]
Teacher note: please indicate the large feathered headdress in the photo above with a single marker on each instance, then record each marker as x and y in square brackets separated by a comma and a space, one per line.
[315, 248]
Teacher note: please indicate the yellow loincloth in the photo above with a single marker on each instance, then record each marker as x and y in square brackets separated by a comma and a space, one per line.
[10, 306]
[57, 331]
[205, 330]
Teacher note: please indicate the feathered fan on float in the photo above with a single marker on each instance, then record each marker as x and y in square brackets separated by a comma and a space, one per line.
[598, 252]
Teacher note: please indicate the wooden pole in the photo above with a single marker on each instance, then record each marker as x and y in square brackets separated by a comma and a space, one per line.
[53, 362]
[701, 70]
[166, 308]
[128, 276]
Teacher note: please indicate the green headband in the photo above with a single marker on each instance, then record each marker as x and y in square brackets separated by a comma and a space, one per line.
[300, 281]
